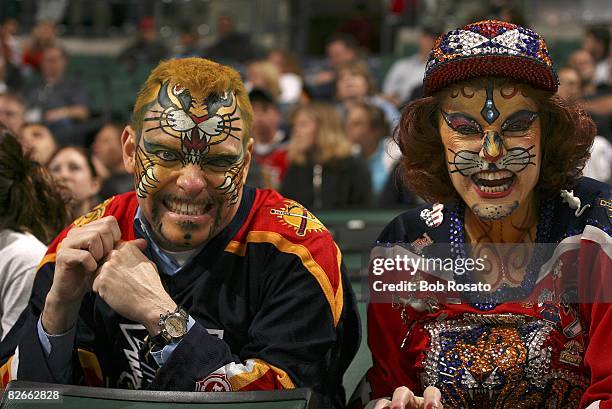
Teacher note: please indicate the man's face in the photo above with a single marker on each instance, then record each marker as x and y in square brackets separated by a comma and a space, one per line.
[358, 129]
[53, 63]
[569, 84]
[107, 146]
[190, 165]
[583, 62]
[491, 137]
[338, 53]
[11, 114]
[351, 85]
[266, 120]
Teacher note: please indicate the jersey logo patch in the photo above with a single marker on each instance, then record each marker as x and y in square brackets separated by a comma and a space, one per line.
[213, 383]
[298, 217]
[95, 214]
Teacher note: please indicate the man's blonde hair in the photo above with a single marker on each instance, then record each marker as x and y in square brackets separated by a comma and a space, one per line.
[193, 73]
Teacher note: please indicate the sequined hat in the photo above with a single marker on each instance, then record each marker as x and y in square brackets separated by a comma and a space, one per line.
[490, 48]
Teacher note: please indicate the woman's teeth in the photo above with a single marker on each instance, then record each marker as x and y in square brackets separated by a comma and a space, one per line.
[492, 182]
[488, 189]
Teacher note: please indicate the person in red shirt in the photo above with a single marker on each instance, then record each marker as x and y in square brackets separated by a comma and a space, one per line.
[270, 149]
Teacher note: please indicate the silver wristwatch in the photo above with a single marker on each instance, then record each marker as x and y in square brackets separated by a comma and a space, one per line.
[173, 325]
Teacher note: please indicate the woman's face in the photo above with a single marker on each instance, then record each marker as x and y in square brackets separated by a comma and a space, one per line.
[351, 86]
[304, 131]
[491, 136]
[38, 141]
[69, 168]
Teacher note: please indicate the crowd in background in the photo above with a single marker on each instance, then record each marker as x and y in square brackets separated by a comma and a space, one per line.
[322, 136]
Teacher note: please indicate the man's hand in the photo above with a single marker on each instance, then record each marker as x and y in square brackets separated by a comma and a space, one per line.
[78, 257]
[129, 283]
[403, 398]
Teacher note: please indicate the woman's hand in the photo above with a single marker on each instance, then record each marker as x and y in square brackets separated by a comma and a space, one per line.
[404, 398]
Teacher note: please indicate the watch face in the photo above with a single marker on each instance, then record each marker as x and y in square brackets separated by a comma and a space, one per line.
[176, 326]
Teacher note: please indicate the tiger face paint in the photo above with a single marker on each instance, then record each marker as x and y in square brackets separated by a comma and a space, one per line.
[491, 136]
[190, 165]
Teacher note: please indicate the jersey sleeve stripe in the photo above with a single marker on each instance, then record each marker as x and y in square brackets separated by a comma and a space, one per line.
[335, 300]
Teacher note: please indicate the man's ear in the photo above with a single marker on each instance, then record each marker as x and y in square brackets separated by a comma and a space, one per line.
[128, 147]
[248, 156]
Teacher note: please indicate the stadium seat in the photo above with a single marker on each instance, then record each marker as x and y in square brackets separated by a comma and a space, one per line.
[79, 397]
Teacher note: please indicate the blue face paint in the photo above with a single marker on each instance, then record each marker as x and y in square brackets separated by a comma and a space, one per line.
[489, 111]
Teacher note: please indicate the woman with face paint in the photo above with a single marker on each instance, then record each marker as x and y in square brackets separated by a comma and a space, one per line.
[499, 157]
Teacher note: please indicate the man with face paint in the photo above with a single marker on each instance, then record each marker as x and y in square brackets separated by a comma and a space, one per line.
[499, 156]
[194, 281]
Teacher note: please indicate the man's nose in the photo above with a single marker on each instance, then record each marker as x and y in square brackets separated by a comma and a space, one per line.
[492, 146]
[191, 180]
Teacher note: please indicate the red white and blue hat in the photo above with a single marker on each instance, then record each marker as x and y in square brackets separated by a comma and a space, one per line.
[490, 48]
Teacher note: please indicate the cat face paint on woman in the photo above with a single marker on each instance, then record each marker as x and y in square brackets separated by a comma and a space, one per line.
[491, 136]
[191, 164]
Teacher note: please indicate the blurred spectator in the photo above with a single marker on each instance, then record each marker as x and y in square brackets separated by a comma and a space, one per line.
[597, 43]
[231, 46]
[395, 194]
[43, 35]
[146, 49]
[584, 63]
[340, 49]
[10, 57]
[368, 130]
[10, 76]
[12, 111]
[599, 165]
[597, 100]
[31, 213]
[11, 49]
[570, 84]
[356, 84]
[270, 149]
[108, 151]
[38, 142]
[359, 26]
[322, 172]
[263, 75]
[405, 77]
[291, 78]
[76, 178]
[189, 42]
[57, 101]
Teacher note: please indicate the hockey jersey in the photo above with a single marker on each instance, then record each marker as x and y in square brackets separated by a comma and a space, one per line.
[272, 306]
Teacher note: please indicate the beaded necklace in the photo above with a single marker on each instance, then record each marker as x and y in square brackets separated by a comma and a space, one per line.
[488, 301]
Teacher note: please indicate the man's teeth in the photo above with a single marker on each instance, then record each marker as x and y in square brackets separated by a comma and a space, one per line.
[188, 209]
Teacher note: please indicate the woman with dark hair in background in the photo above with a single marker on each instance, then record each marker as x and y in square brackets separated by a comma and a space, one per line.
[31, 213]
[78, 180]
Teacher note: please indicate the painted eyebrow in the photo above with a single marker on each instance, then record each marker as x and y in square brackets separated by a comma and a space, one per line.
[449, 118]
[221, 156]
[522, 115]
[151, 146]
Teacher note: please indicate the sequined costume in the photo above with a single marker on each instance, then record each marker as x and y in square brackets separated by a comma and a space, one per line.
[543, 354]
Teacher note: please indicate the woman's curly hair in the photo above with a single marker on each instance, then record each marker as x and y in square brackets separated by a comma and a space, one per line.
[567, 135]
